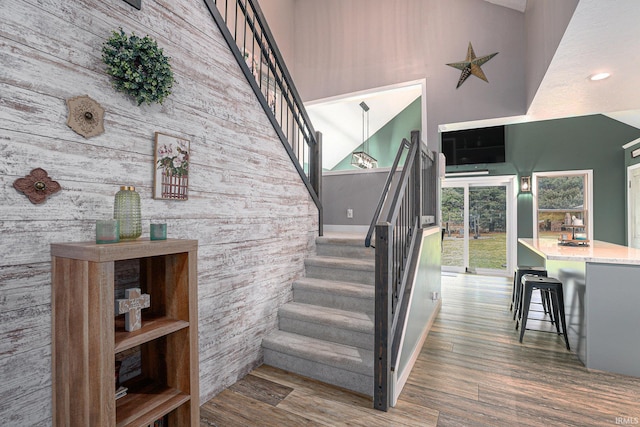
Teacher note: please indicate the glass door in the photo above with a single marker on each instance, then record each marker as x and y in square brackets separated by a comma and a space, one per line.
[478, 217]
[487, 228]
[453, 223]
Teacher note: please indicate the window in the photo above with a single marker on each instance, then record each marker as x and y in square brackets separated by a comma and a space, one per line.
[561, 198]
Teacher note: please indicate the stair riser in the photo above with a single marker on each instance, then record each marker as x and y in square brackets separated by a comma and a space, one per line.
[341, 302]
[340, 274]
[341, 251]
[313, 369]
[328, 333]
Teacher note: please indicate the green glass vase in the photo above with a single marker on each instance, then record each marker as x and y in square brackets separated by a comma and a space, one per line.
[126, 209]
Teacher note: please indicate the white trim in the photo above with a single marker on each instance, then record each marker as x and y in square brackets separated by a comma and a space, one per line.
[364, 92]
[631, 143]
[357, 171]
[470, 173]
[628, 213]
[448, 127]
[588, 196]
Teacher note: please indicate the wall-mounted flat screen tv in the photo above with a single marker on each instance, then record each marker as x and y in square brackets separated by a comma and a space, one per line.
[474, 146]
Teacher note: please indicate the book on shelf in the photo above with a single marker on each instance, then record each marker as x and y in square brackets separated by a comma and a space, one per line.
[121, 392]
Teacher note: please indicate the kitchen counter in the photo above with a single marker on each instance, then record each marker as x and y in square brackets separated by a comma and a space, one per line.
[597, 251]
[601, 285]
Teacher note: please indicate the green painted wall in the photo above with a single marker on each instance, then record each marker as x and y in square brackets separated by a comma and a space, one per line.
[383, 145]
[628, 160]
[588, 142]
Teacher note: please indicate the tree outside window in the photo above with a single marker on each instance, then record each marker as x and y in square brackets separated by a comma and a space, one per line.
[561, 198]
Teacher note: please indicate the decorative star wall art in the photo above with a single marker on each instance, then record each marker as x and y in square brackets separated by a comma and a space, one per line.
[471, 65]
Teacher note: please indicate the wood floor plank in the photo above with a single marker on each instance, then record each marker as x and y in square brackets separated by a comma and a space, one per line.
[313, 386]
[331, 412]
[234, 409]
[471, 371]
[261, 389]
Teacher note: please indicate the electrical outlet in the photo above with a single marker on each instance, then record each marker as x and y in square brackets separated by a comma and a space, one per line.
[349, 213]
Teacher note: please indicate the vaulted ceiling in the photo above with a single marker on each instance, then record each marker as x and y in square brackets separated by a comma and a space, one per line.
[598, 38]
[519, 5]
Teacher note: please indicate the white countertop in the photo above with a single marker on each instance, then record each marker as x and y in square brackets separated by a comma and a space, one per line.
[597, 251]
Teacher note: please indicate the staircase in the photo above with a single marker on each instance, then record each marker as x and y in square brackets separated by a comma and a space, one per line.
[327, 331]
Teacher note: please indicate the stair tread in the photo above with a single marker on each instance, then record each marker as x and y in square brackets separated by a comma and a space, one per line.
[348, 240]
[340, 356]
[334, 286]
[352, 263]
[352, 320]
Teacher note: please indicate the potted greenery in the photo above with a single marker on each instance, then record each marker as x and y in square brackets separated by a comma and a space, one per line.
[138, 67]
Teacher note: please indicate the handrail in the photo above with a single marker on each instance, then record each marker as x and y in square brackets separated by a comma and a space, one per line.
[396, 248]
[385, 190]
[245, 30]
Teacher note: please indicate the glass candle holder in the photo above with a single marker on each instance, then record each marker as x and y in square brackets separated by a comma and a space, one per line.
[107, 231]
[158, 231]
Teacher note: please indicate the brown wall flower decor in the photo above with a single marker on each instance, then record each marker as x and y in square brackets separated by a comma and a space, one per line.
[37, 186]
[86, 116]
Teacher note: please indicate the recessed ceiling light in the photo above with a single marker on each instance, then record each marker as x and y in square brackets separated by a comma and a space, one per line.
[599, 76]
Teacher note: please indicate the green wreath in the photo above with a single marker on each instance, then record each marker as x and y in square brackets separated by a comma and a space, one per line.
[138, 67]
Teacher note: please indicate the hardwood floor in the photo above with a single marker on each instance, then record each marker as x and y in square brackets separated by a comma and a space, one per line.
[472, 371]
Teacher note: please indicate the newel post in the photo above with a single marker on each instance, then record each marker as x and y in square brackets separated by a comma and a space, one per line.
[315, 176]
[417, 176]
[383, 318]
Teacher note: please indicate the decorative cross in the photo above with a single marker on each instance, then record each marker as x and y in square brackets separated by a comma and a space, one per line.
[131, 306]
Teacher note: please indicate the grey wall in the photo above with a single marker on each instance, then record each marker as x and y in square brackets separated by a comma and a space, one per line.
[280, 18]
[358, 190]
[254, 225]
[344, 46]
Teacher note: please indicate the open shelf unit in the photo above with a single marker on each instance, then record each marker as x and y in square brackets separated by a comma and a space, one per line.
[87, 335]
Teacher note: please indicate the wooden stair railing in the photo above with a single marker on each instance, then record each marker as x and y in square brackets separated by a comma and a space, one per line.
[245, 30]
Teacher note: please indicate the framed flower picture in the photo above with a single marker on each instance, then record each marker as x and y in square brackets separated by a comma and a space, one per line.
[172, 158]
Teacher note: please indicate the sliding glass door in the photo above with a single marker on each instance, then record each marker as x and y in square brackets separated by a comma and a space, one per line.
[453, 221]
[478, 218]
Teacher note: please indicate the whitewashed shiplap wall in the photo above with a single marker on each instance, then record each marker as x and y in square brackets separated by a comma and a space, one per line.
[247, 205]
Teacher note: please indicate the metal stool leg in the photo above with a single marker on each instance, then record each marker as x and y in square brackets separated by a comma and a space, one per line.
[525, 309]
[560, 300]
[554, 302]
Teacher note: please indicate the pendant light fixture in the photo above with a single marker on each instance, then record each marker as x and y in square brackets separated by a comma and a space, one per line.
[362, 159]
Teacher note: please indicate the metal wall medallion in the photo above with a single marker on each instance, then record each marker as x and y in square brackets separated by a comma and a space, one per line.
[86, 116]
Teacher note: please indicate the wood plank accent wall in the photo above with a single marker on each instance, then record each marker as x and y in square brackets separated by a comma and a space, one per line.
[247, 207]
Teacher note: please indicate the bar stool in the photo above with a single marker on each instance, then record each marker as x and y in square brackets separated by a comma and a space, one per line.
[554, 287]
[517, 287]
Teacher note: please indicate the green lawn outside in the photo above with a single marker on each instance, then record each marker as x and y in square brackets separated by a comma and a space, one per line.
[488, 251]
